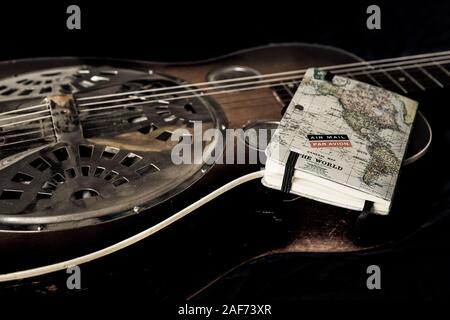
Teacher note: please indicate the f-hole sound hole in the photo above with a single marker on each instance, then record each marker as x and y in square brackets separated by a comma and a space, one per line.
[85, 150]
[147, 169]
[120, 181]
[164, 136]
[109, 153]
[43, 195]
[22, 178]
[130, 159]
[59, 178]
[85, 170]
[110, 175]
[11, 194]
[40, 164]
[61, 154]
[84, 194]
[98, 171]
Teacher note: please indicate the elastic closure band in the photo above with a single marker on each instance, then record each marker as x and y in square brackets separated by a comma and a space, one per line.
[289, 172]
[367, 207]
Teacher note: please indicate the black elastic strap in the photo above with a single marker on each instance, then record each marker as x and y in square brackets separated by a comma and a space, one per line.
[363, 228]
[367, 207]
[289, 172]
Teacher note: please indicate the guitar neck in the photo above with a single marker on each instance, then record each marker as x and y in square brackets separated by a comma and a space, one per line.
[415, 78]
[405, 75]
[404, 80]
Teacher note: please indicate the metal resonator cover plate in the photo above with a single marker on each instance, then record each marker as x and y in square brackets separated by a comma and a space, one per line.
[122, 164]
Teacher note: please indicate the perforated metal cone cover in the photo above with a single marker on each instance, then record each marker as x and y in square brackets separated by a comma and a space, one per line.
[121, 165]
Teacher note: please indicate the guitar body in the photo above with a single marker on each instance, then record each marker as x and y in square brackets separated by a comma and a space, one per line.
[241, 226]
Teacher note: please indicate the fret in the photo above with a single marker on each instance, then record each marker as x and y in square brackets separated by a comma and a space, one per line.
[430, 76]
[372, 78]
[287, 88]
[386, 81]
[439, 71]
[403, 80]
[406, 79]
[282, 94]
[442, 68]
[420, 77]
[368, 78]
[387, 74]
[411, 78]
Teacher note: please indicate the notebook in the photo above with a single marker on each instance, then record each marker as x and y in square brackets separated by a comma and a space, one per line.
[341, 142]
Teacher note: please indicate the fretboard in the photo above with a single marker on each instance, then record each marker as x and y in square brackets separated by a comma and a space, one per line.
[407, 80]
[404, 80]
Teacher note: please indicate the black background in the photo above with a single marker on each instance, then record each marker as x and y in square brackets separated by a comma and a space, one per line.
[174, 31]
[195, 30]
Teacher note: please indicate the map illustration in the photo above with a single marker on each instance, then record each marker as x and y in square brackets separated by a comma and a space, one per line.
[362, 132]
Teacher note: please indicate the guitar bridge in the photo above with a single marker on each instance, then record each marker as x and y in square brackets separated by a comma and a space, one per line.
[65, 120]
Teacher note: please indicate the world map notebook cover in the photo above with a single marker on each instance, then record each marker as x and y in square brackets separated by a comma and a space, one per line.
[346, 131]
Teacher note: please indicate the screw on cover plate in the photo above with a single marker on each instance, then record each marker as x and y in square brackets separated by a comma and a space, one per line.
[136, 209]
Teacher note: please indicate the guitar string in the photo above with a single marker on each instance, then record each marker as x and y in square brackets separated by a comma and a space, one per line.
[45, 135]
[256, 81]
[9, 136]
[25, 109]
[25, 121]
[128, 241]
[366, 64]
[23, 141]
[25, 115]
[229, 91]
[266, 98]
[116, 106]
[217, 92]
